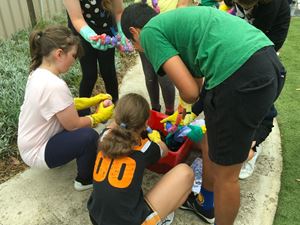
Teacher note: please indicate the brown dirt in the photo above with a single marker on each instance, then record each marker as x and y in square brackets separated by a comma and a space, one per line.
[12, 164]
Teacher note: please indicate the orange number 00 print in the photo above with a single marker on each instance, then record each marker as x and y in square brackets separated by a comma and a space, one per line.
[112, 168]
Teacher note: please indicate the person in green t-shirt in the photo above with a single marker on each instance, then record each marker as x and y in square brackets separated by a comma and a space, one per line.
[153, 82]
[243, 77]
[210, 3]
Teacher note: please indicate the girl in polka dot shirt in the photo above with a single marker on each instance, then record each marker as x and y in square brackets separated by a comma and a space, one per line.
[88, 18]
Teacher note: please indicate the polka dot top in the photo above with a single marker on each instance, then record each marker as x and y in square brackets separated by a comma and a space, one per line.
[96, 17]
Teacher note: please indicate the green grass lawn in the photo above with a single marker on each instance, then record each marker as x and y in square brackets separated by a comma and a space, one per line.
[288, 106]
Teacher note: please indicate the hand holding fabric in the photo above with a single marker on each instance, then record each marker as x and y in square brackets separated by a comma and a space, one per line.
[103, 114]
[186, 106]
[98, 45]
[172, 118]
[84, 103]
[125, 44]
[88, 34]
[154, 136]
[189, 116]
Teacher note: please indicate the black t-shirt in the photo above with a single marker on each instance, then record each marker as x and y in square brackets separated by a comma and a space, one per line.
[100, 20]
[117, 197]
[272, 18]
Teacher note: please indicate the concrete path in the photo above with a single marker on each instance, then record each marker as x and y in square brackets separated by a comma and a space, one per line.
[47, 197]
[295, 8]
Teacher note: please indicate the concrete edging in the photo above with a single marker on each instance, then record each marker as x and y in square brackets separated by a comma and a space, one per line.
[46, 197]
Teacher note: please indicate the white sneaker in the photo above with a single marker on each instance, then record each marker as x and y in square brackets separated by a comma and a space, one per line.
[81, 187]
[168, 220]
[248, 166]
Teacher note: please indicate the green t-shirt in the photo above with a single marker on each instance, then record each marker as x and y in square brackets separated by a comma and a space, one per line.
[211, 3]
[212, 43]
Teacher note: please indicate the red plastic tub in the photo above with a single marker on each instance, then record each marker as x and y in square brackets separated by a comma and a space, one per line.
[172, 158]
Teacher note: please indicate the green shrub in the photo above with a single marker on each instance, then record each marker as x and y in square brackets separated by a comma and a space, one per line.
[14, 61]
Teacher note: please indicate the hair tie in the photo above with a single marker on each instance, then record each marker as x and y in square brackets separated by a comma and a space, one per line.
[123, 125]
[39, 34]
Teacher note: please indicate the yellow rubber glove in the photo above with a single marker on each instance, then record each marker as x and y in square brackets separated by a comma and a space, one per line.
[224, 7]
[103, 114]
[186, 106]
[84, 103]
[154, 136]
[189, 117]
[172, 118]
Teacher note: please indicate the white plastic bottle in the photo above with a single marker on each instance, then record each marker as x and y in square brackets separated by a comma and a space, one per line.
[197, 168]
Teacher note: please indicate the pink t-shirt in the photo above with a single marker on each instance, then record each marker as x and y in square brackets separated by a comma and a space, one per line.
[46, 94]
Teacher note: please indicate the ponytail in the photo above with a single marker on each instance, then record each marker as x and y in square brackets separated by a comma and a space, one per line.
[35, 49]
[53, 37]
[131, 114]
[119, 142]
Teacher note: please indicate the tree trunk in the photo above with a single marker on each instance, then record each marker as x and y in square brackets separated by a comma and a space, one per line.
[31, 12]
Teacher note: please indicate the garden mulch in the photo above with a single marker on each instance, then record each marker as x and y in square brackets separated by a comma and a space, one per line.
[10, 165]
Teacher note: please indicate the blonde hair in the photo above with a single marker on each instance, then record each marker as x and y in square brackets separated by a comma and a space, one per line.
[131, 114]
[42, 42]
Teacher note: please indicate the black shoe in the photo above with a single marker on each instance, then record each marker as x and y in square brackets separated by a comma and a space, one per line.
[191, 204]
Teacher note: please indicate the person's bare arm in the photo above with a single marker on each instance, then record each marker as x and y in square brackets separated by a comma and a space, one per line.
[200, 82]
[70, 120]
[74, 10]
[118, 9]
[164, 148]
[184, 3]
[182, 78]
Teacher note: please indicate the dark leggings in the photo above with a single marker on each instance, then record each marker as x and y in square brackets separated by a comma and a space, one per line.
[152, 80]
[89, 67]
[80, 144]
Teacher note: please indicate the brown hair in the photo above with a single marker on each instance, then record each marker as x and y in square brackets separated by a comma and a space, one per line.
[107, 5]
[131, 114]
[53, 37]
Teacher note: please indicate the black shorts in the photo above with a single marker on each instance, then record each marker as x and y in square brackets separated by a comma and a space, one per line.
[236, 107]
[265, 127]
[262, 132]
[150, 216]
